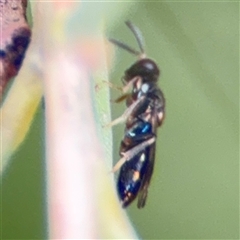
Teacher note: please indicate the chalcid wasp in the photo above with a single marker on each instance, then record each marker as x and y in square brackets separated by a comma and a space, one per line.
[144, 114]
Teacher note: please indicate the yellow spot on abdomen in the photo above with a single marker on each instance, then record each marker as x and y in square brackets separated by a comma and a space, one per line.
[136, 176]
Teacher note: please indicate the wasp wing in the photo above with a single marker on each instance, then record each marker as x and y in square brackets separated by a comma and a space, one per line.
[142, 195]
[143, 192]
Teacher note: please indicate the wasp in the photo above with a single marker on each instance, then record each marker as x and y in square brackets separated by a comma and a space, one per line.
[144, 114]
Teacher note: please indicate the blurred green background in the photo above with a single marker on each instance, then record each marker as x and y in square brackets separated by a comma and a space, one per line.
[194, 192]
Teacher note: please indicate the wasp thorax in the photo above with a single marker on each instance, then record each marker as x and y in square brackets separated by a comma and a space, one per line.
[144, 68]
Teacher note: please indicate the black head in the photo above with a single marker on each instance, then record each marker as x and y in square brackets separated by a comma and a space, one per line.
[144, 68]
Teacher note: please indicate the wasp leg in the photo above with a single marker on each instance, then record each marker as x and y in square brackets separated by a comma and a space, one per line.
[126, 87]
[126, 114]
[123, 89]
[128, 155]
[129, 84]
[113, 86]
[122, 98]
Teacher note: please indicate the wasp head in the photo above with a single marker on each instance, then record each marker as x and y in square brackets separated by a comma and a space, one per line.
[145, 68]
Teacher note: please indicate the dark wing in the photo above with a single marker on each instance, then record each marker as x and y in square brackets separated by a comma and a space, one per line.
[142, 195]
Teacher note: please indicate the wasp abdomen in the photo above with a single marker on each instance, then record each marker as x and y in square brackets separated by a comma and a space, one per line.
[132, 172]
[130, 177]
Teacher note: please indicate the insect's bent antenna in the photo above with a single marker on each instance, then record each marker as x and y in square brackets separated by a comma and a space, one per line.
[137, 33]
[124, 46]
[138, 36]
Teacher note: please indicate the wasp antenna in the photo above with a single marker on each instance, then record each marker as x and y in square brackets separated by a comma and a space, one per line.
[124, 46]
[137, 34]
